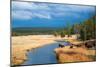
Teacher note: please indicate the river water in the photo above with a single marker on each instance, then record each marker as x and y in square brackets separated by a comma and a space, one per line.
[42, 55]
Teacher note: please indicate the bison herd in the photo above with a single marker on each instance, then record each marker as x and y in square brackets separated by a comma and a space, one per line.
[88, 44]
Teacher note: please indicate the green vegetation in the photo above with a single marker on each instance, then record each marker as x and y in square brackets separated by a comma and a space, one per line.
[35, 31]
[86, 30]
[56, 34]
[63, 33]
[69, 29]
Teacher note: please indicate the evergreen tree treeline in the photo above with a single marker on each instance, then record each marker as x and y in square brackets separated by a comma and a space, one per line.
[86, 29]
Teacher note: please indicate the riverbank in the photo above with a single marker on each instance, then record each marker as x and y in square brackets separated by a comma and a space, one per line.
[75, 54]
[22, 44]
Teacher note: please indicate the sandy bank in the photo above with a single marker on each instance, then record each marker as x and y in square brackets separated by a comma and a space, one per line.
[22, 44]
[75, 54]
[67, 54]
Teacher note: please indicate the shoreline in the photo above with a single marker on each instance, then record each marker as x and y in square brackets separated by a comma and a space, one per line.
[50, 44]
[38, 47]
[21, 45]
[28, 50]
[75, 54]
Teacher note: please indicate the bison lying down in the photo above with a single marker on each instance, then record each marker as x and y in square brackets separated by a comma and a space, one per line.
[60, 45]
[90, 44]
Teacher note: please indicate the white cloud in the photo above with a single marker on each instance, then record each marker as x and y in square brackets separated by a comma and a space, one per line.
[29, 10]
[22, 14]
[45, 16]
[29, 6]
[42, 6]
[80, 8]
[21, 5]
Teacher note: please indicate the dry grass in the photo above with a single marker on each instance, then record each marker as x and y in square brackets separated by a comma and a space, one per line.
[67, 54]
[22, 44]
[73, 58]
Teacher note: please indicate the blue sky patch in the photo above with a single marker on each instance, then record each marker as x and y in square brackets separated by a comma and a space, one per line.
[35, 14]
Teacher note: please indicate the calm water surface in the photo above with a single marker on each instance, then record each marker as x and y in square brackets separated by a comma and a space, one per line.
[42, 55]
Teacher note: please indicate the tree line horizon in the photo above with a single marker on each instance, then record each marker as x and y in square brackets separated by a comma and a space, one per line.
[86, 30]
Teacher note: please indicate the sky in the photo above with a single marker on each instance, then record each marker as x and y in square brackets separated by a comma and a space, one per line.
[38, 14]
